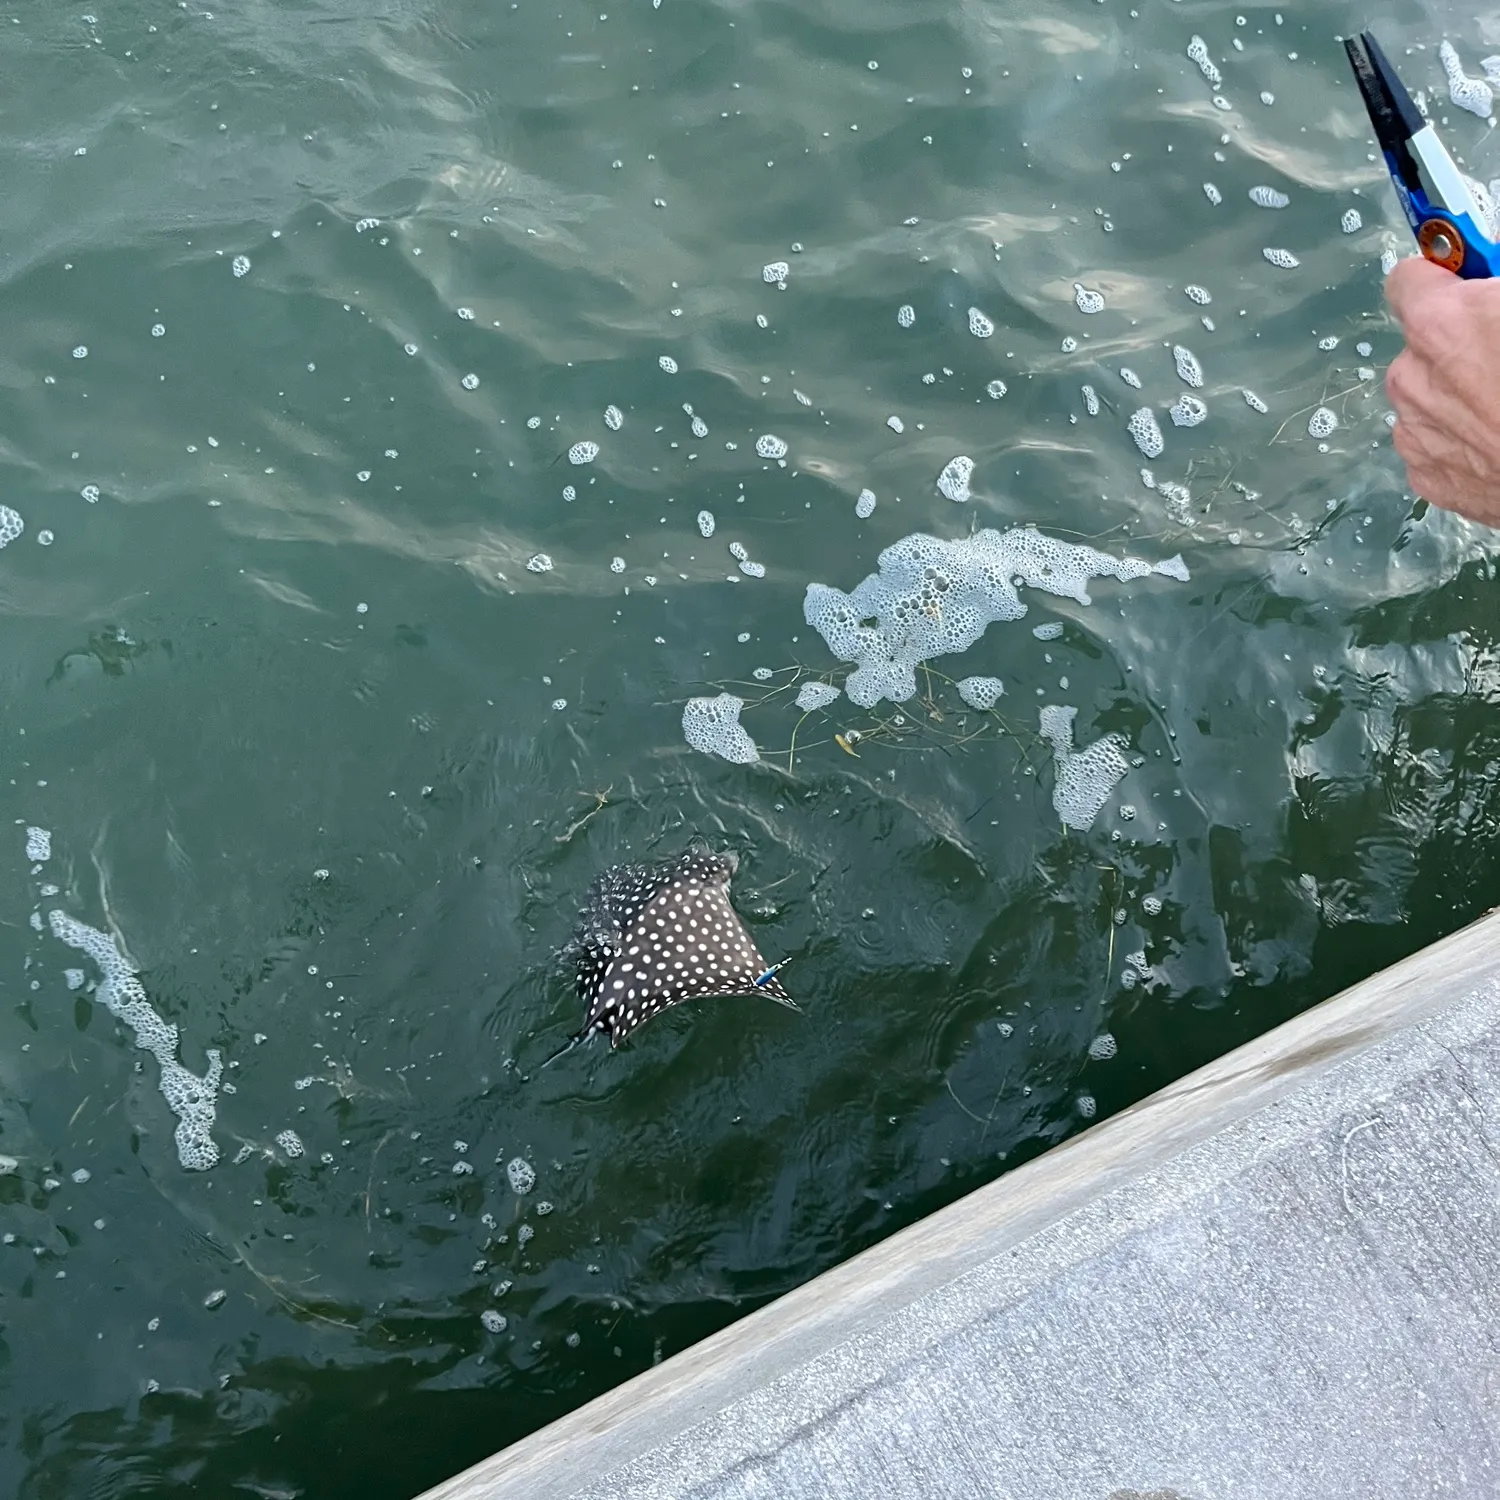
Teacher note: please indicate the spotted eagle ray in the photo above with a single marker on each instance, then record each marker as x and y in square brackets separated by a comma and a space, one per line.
[651, 936]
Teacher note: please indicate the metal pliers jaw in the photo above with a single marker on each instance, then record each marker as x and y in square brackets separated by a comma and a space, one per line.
[1442, 209]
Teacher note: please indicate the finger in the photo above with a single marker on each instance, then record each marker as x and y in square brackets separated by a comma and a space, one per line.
[1413, 287]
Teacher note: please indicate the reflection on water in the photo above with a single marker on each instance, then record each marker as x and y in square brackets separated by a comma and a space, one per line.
[423, 407]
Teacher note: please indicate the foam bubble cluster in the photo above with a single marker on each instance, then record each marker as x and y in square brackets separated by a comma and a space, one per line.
[713, 726]
[1268, 197]
[291, 1144]
[1283, 258]
[776, 273]
[1472, 94]
[980, 692]
[1189, 371]
[1049, 630]
[667, 364]
[1198, 53]
[190, 1098]
[705, 523]
[1130, 378]
[1254, 402]
[1212, 193]
[583, 453]
[1084, 778]
[1322, 423]
[1090, 400]
[813, 695]
[1198, 294]
[1351, 223]
[541, 563]
[11, 525]
[932, 597]
[906, 315]
[38, 845]
[613, 418]
[954, 480]
[241, 265]
[864, 507]
[521, 1175]
[1146, 431]
[1187, 411]
[979, 325]
[768, 445]
[995, 389]
[1085, 300]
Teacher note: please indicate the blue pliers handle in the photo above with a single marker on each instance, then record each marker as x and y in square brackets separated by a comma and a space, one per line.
[1438, 202]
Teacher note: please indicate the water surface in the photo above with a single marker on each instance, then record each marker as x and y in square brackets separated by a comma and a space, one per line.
[336, 766]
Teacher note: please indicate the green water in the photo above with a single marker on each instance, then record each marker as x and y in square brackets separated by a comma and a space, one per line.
[283, 694]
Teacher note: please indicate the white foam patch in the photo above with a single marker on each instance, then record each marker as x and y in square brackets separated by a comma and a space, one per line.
[705, 523]
[1103, 1047]
[1283, 258]
[1198, 294]
[813, 695]
[1322, 423]
[613, 418]
[1091, 400]
[521, 1175]
[713, 726]
[1254, 402]
[667, 364]
[11, 525]
[768, 445]
[1198, 53]
[189, 1097]
[1051, 630]
[1351, 223]
[1187, 411]
[38, 845]
[995, 389]
[1146, 431]
[980, 692]
[1212, 193]
[1130, 378]
[1084, 778]
[1085, 300]
[291, 1144]
[932, 598]
[1268, 197]
[1189, 371]
[954, 480]
[979, 325]
[906, 315]
[1472, 94]
[864, 507]
[583, 453]
[776, 273]
[541, 563]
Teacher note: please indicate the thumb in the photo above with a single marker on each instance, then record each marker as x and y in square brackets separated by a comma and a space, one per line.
[1412, 284]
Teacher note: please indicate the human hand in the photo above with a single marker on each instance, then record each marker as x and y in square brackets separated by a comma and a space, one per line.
[1445, 387]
